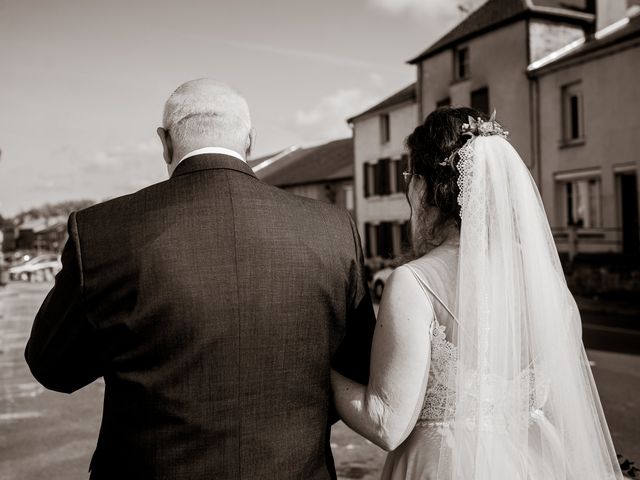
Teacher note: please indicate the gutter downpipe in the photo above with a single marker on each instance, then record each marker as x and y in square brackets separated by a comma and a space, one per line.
[534, 109]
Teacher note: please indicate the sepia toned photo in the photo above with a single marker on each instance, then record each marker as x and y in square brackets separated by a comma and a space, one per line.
[366, 239]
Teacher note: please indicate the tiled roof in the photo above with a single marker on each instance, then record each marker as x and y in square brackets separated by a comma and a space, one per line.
[407, 94]
[253, 162]
[330, 161]
[602, 40]
[495, 13]
[270, 164]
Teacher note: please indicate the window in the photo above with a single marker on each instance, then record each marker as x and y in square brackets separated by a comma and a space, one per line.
[462, 63]
[583, 203]
[365, 179]
[386, 239]
[383, 186]
[385, 133]
[382, 181]
[445, 102]
[384, 177]
[480, 100]
[572, 113]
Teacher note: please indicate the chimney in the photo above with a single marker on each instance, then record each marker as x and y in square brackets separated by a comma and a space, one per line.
[607, 11]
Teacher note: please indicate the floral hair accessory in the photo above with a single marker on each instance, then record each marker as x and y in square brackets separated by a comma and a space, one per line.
[476, 128]
[481, 128]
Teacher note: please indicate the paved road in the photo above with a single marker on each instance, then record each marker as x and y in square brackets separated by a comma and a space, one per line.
[50, 436]
[614, 333]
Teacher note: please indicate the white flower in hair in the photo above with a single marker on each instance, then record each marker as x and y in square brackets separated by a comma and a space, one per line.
[476, 128]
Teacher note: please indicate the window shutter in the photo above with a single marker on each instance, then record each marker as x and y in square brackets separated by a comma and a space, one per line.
[387, 176]
[365, 179]
[367, 239]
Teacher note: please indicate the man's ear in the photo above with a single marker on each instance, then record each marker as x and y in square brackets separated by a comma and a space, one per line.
[167, 145]
[252, 139]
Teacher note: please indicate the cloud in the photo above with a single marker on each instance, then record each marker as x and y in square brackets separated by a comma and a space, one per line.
[150, 146]
[376, 79]
[327, 120]
[315, 56]
[400, 6]
[122, 156]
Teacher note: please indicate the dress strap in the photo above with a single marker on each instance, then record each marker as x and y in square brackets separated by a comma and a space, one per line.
[435, 322]
[425, 287]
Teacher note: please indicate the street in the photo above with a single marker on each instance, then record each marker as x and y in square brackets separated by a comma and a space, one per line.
[47, 435]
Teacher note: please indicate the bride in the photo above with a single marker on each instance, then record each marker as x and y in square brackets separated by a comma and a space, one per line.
[477, 368]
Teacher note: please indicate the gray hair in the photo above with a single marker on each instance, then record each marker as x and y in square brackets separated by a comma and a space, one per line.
[205, 108]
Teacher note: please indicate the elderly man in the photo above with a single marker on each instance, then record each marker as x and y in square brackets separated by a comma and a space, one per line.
[212, 304]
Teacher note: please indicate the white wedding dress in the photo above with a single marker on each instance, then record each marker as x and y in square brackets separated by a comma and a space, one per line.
[510, 394]
[417, 457]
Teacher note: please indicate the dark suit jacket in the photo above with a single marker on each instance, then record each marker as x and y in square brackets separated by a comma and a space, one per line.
[212, 304]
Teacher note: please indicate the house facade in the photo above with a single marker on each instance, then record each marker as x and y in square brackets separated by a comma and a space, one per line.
[562, 77]
[44, 234]
[483, 61]
[379, 160]
[323, 172]
[589, 148]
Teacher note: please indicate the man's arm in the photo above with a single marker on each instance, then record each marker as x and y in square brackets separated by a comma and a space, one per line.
[354, 353]
[63, 352]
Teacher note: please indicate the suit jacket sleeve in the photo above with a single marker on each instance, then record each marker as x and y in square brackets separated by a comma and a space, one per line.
[353, 355]
[63, 352]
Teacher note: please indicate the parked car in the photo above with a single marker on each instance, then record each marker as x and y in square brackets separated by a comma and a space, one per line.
[379, 280]
[40, 268]
[19, 257]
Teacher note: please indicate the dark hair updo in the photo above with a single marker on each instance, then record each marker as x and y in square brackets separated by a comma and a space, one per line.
[429, 145]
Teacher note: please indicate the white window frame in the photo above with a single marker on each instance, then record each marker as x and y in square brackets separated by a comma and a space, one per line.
[573, 177]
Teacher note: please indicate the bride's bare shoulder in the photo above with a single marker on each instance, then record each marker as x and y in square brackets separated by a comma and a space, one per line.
[401, 287]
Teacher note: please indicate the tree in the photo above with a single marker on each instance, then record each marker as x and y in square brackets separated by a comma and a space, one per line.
[59, 209]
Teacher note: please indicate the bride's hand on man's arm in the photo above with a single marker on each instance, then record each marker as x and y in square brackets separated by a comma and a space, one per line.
[385, 411]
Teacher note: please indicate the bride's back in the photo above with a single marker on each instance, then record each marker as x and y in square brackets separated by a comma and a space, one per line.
[438, 269]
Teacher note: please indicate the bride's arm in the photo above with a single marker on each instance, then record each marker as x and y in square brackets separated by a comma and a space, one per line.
[385, 411]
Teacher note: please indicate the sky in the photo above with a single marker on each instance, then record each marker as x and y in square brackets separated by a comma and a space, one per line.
[83, 82]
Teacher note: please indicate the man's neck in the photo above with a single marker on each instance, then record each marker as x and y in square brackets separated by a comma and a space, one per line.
[211, 150]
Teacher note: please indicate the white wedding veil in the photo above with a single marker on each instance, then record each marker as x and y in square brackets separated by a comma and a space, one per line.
[526, 406]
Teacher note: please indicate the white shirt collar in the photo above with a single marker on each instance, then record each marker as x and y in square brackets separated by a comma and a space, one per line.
[219, 150]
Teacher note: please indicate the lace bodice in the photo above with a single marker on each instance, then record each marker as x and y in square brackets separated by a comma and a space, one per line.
[439, 403]
[440, 394]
